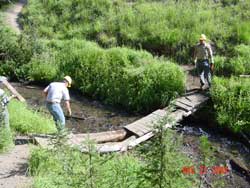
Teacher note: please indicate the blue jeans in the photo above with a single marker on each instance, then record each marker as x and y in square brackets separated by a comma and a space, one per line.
[203, 68]
[58, 115]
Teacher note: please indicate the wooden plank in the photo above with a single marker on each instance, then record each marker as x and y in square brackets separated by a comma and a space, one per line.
[43, 142]
[108, 136]
[13, 90]
[183, 106]
[245, 76]
[115, 146]
[185, 101]
[197, 98]
[143, 125]
[140, 140]
[177, 115]
[160, 112]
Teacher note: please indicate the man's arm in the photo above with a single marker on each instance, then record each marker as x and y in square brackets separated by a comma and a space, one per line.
[45, 91]
[210, 53]
[195, 55]
[68, 108]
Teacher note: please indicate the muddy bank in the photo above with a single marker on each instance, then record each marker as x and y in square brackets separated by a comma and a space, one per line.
[226, 150]
[93, 116]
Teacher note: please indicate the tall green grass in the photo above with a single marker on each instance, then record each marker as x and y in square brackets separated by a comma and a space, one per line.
[68, 167]
[164, 27]
[120, 76]
[231, 99]
[6, 140]
[24, 120]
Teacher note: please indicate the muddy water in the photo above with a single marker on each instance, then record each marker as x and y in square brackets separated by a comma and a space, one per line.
[93, 116]
[226, 148]
[97, 117]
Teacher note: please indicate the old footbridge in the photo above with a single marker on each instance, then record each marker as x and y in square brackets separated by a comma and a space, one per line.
[137, 132]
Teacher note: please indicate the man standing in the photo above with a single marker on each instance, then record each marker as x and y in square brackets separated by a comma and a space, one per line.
[203, 58]
[4, 100]
[55, 92]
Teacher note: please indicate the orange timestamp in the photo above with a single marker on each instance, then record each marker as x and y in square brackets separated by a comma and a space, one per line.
[215, 170]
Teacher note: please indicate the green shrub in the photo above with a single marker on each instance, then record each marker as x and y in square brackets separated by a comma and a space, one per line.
[120, 76]
[24, 120]
[231, 99]
[237, 64]
[64, 166]
[42, 68]
[70, 168]
[6, 140]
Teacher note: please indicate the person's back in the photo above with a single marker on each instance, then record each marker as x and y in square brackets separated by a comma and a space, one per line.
[56, 92]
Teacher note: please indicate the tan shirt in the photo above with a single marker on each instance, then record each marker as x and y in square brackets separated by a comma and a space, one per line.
[203, 51]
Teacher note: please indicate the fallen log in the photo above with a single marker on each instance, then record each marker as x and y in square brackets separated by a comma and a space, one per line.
[101, 137]
[244, 76]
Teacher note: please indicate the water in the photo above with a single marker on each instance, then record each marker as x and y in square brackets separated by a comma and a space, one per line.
[227, 149]
[96, 117]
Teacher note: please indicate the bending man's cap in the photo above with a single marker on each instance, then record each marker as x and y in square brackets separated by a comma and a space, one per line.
[69, 80]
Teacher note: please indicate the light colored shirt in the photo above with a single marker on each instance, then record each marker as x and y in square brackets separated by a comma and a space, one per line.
[1, 92]
[203, 51]
[56, 91]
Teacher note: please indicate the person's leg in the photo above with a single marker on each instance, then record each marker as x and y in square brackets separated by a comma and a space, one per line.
[60, 116]
[200, 70]
[207, 73]
[57, 113]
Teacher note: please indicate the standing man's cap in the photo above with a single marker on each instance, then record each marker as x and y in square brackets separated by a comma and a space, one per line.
[69, 80]
[203, 37]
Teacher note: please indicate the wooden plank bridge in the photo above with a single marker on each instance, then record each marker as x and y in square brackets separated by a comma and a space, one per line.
[139, 131]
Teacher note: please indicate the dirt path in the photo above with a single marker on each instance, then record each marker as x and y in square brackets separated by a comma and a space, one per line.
[12, 15]
[193, 81]
[14, 164]
[13, 167]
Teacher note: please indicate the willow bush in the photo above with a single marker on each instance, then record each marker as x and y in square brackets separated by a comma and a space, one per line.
[231, 99]
[120, 76]
[163, 27]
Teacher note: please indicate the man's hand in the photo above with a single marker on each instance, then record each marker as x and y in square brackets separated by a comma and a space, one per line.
[68, 108]
[212, 67]
[69, 113]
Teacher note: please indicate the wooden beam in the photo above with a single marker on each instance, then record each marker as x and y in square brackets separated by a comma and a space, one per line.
[13, 90]
[101, 137]
[244, 76]
[140, 140]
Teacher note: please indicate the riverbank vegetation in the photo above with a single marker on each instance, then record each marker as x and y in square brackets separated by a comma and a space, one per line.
[118, 76]
[114, 68]
[167, 28]
[24, 120]
[231, 99]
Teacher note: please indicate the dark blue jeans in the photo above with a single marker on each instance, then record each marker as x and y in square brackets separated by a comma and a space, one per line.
[204, 72]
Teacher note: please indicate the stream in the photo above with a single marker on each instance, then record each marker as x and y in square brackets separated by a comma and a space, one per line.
[96, 117]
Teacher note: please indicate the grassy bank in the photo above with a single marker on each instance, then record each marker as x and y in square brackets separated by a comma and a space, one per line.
[118, 76]
[24, 120]
[163, 27]
[231, 99]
